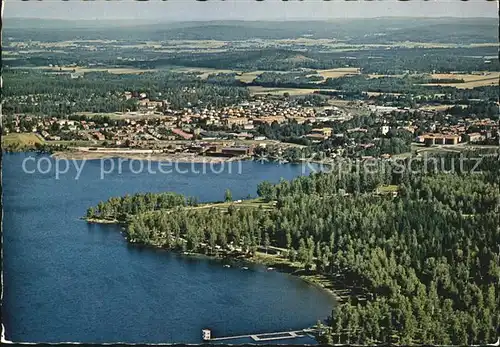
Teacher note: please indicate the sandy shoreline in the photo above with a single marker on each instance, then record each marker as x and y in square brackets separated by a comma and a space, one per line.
[160, 157]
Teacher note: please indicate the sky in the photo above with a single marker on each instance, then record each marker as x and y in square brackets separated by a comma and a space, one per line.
[191, 10]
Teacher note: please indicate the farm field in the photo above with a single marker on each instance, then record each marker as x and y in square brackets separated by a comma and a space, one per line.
[470, 80]
[339, 72]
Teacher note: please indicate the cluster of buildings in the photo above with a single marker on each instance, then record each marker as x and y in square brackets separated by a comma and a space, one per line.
[223, 131]
[259, 110]
[467, 130]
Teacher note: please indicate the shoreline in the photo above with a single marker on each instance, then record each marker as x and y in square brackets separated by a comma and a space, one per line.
[159, 157]
[275, 262]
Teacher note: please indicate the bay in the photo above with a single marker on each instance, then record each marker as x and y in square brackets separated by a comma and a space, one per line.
[66, 280]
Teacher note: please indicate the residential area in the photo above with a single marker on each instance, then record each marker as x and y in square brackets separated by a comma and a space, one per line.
[240, 129]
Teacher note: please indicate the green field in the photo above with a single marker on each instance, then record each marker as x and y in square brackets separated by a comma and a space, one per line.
[21, 140]
[386, 189]
[253, 203]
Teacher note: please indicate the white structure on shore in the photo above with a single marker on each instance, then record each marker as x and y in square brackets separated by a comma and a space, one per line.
[206, 334]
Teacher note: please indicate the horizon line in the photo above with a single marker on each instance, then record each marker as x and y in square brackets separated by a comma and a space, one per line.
[246, 20]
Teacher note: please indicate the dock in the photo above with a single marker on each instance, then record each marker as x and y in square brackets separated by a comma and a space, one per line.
[281, 335]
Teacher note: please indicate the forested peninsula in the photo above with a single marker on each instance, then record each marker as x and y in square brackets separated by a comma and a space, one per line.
[415, 251]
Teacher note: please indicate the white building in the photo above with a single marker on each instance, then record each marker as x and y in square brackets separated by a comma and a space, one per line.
[206, 334]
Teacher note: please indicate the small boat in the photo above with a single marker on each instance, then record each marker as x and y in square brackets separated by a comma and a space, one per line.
[227, 265]
[244, 268]
[270, 268]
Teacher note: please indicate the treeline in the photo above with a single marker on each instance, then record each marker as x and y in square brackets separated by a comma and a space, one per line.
[290, 79]
[427, 260]
[39, 93]
[446, 96]
[355, 86]
[13, 147]
[58, 94]
[392, 61]
[288, 132]
[484, 109]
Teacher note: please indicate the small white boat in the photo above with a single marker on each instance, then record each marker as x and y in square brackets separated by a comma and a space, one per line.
[244, 268]
[270, 268]
[227, 265]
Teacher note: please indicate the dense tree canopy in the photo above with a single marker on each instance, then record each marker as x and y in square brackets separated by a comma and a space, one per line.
[427, 259]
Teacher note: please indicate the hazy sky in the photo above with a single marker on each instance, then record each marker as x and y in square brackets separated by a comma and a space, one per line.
[185, 10]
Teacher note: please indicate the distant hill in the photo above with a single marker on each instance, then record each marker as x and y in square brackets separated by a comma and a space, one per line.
[446, 30]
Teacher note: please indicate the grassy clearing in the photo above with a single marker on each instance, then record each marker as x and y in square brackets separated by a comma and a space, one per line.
[223, 206]
[479, 76]
[435, 107]
[250, 203]
[276, 261]
[386, 189]
[440, 149]
[479, 79]
[22, 139]
[468, 85]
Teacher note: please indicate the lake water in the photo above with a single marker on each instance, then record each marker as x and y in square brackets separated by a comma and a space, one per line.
[66, 280]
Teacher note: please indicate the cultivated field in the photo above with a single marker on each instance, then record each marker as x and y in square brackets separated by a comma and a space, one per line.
[339, 72]
[470, 80]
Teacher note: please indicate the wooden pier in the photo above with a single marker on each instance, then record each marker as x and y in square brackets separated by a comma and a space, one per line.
[281, 335]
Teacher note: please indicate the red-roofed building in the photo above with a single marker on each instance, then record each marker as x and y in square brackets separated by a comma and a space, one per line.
[182, 134]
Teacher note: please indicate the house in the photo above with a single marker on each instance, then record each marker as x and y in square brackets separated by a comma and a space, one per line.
[99, 136]
[231, 121]
[440, 139]
[237, 151]
[474, 137]
[384, 129]
[269, 120]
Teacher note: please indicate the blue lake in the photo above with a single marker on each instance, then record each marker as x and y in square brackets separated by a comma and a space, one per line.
[66, 280]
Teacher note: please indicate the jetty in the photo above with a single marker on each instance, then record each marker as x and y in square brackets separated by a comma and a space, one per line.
[280, 335]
